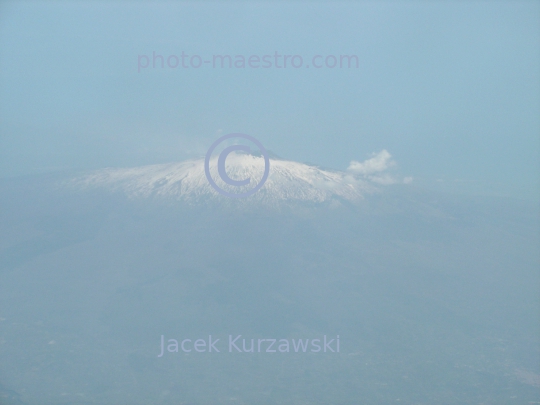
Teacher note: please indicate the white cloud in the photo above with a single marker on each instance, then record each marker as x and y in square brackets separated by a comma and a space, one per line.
[375, 169]
[378, 163]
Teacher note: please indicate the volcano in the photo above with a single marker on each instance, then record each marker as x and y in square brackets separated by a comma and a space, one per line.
[288, 182]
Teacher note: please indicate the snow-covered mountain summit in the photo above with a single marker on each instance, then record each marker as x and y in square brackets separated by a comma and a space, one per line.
[288, 181]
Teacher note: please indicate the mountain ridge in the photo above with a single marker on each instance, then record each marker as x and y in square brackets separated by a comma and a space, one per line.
[288, 181]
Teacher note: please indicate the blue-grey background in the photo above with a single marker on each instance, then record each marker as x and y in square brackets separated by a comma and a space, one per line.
[432, 284]
[451, 89]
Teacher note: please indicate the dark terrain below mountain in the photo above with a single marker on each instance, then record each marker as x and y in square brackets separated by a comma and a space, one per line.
[435, 298]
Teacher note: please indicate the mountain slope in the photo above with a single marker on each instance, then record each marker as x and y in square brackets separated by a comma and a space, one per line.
[288, 181]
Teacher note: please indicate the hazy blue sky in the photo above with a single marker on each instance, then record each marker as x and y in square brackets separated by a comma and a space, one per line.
[450, 89]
